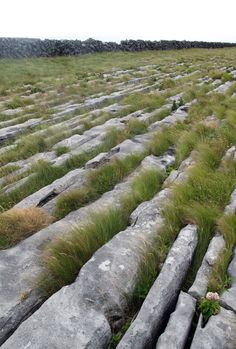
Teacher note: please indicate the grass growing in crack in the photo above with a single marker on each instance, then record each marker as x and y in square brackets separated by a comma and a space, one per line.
[18, 102]
[219, 280]
[136, 127]
[4, 171]
[166, 137]
[98, 182]
[140, 101]
[200, 200]
[45, 173]
[65, 256]
[62, 150]
[17, 224]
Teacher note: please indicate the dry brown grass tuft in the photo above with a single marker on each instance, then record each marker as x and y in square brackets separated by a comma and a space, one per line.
[18, 223]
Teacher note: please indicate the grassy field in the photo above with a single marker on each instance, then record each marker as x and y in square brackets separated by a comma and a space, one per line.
[73, 129]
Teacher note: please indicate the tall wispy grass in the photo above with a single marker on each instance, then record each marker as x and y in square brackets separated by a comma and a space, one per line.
[65, 256]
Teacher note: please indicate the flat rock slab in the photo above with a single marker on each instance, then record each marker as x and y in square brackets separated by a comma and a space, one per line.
[21, 264]
[231, 207]
[228, 298]
[79, 313]
[177, 329]
[179, 115]
[144, 331]
[199, 287]
[219, 332]
[224, 87]
[12, 131]
[58, 186]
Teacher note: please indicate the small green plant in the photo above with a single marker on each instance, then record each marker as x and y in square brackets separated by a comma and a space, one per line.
[174, 106]
[209, 305]
[181, 102]
[18, 102]
[62, 150]
[167, 83]
[116, 337]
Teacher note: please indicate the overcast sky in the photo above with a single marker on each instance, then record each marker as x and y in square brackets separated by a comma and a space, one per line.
[115, 20]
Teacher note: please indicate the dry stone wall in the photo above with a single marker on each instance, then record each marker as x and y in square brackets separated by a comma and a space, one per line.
[17, 48]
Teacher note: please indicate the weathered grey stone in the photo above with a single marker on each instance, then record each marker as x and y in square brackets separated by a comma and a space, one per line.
[128, 147]
[231, 207]
[228, 298]
[177, 329]
[103, 285]
[10, 112]
[97, 161]
[71, 142]
[233, 73]
[143, 332]
[58, 186]
[224, 87]
[179, 115]
[10, 187]
[199, 287]
[21, 264]
[231, 153]
[12, 131]
[180, 175]
[219, 332]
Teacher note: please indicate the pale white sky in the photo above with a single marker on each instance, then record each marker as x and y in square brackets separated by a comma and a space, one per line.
[115, 20]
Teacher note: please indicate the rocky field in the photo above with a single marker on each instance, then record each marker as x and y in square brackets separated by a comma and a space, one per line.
[118, 201]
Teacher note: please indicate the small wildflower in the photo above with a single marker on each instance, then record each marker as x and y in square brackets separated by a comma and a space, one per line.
[212, 296]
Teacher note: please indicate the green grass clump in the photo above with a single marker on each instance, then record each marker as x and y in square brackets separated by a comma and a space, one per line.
[140, 101]
[62, 150]
[167, 83]
[18, 102]
[65, 257]
[44, 175]
[4, 171]
[166, 137]
[136, 127]
[219, 280]
[199, 200]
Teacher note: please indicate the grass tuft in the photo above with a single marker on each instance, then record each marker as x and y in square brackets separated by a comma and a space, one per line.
[19, 223]
[65, 256]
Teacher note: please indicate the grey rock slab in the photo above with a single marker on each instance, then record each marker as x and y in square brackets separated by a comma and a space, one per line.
[11, 187]
[12, 131]
[179, 115]
[77, 321]
[128, 147]
[71, 142]
[10, 112]
[20, 265]
[177, 329]
[199, 287]
[97, 161]
[58, 186]
[228, 298]
[144, 331]
[233, 73]
[231, 207]
[218, 333]
[101, 291]
[180, 175]
[231, 153]
[224, 87]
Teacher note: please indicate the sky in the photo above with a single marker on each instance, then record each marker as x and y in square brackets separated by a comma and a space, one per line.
[207, 20]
